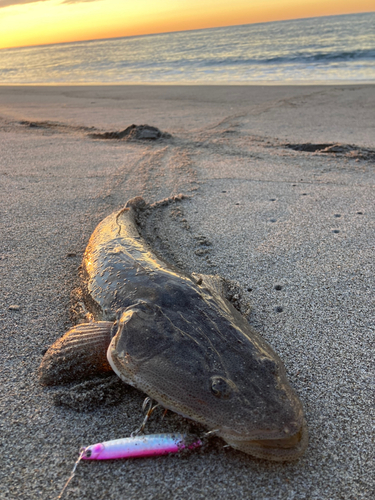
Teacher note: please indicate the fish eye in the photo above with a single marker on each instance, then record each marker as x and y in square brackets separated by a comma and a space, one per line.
[220, 387]
[88, 453]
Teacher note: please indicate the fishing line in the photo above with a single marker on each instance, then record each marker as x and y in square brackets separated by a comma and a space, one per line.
[72, 473]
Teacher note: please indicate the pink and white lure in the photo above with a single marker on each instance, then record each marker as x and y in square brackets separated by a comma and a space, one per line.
[139, 446]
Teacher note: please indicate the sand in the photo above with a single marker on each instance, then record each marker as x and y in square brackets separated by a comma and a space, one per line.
[294, 228]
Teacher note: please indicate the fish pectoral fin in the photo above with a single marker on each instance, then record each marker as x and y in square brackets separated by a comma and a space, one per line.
[225, 289]
[213, 282]
[77, 355]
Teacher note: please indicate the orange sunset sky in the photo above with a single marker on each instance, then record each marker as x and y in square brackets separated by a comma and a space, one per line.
[32, 22]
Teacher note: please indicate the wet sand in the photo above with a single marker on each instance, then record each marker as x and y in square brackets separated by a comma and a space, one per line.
[292, 224]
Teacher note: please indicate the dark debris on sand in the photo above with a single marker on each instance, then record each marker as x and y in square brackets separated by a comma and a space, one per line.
[348, 150]
[135, 132]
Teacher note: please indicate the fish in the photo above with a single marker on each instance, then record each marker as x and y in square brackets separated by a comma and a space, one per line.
[177, 338]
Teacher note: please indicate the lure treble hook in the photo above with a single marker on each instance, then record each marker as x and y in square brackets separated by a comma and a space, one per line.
[148, 402]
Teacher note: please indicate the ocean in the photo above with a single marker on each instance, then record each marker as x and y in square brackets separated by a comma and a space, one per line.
[334, 49]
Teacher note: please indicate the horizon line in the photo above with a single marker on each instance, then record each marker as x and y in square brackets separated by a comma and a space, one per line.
[182, 31]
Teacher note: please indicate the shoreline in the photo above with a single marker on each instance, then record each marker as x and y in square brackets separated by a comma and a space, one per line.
[260, 83]
[293, 228]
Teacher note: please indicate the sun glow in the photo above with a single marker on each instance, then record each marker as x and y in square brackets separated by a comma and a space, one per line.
[29, 22]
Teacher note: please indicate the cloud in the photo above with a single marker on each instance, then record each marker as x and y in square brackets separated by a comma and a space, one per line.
[76, 1]
[9, 3]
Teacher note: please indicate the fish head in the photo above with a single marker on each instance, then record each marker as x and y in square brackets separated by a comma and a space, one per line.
[207, 364]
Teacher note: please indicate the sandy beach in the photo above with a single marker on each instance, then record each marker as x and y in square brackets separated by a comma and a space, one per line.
[280, 187]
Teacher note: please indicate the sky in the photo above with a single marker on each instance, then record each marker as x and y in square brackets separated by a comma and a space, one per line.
[39, 22]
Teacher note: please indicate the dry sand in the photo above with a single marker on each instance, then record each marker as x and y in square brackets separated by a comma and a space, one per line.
[274, 216]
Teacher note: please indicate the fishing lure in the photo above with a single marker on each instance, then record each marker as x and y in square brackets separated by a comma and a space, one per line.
[139, 446]
[135, 446]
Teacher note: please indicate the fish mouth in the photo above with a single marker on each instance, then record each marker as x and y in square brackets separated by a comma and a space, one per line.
[279, 450]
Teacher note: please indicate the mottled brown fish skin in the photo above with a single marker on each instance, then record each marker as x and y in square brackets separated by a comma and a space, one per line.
[181, 342]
